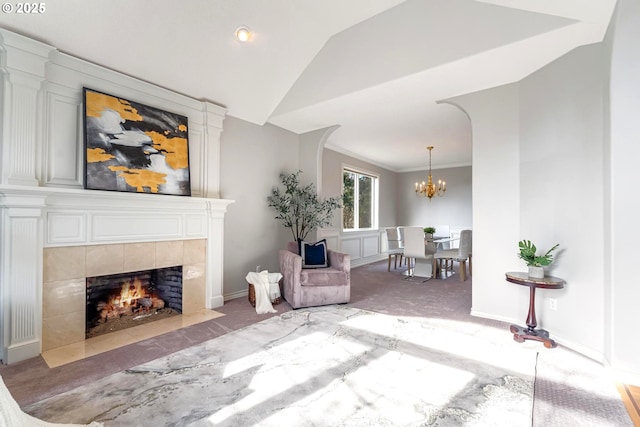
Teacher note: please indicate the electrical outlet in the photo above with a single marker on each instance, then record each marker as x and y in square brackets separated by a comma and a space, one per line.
[258, 270]
[553, 305]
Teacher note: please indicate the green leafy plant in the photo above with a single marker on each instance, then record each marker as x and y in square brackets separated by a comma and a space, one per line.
[528, 254]
[299, 208]
[430, 230]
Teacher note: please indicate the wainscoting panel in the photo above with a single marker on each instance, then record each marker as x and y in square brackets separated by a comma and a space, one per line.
[370, 245]
[351, 246]
[364, 247]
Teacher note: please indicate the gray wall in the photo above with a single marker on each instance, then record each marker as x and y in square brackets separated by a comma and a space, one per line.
[622, 209]
[542, 140]
[252, 158]
[561, 186]
[453, 209]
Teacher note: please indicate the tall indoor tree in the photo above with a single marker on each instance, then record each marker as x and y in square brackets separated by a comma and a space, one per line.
[299, 207]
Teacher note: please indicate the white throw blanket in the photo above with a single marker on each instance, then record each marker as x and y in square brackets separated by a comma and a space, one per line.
[261, 285]
[12, 416]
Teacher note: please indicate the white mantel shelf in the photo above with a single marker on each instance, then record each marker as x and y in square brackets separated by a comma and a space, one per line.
[33, 218]
[89, 217]
[108, 198]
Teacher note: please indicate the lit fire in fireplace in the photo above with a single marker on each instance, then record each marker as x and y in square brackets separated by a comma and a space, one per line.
[133, 299]
[124, 300]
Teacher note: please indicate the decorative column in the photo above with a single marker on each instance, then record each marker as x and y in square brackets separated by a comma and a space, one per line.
[215, 252]
[213, 118]
[22, 75]
[20, 276]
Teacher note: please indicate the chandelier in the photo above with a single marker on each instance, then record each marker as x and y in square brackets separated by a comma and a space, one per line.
[429, 189]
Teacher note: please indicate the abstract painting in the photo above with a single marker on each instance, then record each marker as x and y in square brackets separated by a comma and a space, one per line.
[133, 147]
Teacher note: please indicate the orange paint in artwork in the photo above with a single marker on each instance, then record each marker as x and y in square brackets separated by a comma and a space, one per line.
[97, 102]
[182, 128]
[95, 155]
[140, 178]
[177, 153]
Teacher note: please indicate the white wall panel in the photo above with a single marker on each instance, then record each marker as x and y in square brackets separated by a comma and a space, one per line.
[135, 228]
[63, 145]
[352, 246]
[65, 228]
[370, 245]
[197, 159]
[196, 226]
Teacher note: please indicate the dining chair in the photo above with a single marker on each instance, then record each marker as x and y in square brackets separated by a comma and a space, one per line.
[460, 255]
[418, 254]
[394, 248]
[401, 237]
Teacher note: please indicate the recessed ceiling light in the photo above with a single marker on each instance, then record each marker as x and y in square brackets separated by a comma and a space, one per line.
[243, 34]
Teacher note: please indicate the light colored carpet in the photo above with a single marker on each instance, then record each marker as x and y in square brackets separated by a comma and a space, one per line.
[326, 366]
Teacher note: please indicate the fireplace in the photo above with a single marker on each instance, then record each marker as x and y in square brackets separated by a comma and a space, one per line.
[124, 300]
[53, 239]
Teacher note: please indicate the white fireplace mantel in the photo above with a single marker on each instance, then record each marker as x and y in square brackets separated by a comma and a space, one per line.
[34, 218]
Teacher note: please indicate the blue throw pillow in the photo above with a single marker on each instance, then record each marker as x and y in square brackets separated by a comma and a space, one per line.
[314, 255]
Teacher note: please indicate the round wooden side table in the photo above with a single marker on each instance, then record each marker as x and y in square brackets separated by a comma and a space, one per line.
[520, 334]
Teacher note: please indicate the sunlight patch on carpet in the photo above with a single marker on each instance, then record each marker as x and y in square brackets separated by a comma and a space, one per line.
[331, 365]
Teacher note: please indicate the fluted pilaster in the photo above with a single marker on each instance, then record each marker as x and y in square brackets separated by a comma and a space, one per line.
[21, 277]
[22, 76]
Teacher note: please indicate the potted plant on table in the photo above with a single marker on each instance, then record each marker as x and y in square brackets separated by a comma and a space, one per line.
[429, 232]
[536, 263]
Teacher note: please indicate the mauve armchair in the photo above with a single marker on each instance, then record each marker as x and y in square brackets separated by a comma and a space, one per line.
[311, 287]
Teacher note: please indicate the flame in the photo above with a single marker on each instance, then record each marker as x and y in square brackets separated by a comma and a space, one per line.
[130, 292]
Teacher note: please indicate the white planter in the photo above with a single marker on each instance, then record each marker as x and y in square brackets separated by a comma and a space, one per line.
[536, 272]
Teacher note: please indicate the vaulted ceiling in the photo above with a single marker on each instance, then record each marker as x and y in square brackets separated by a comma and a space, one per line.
[377, 68]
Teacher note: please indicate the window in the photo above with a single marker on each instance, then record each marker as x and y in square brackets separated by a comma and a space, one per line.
[360, 200]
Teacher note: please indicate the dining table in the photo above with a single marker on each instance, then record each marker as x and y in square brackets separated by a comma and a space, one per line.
[441, 241]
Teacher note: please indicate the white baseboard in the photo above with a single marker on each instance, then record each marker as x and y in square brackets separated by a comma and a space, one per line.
[623, 377]
[579, 348]
[238, 294]
[495, 317]
[369, 260]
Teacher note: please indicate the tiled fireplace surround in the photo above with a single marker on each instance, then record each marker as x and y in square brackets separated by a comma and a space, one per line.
[66, 270]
